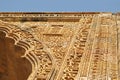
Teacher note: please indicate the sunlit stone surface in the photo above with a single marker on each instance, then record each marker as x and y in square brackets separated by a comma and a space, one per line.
[60, 46]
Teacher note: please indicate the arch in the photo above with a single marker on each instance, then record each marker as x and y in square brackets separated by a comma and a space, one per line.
[28, 43]
[11, 62]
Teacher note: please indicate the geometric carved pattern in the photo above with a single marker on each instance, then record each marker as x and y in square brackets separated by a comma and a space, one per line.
[67, 46]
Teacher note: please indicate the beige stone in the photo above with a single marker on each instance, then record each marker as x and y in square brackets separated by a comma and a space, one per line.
[59, 46]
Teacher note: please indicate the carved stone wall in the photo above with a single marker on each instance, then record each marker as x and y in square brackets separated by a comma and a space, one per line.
[66, 46]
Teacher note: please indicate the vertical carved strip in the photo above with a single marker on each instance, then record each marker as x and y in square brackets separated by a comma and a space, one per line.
[112, 50]
[118, 39]
[84, 65]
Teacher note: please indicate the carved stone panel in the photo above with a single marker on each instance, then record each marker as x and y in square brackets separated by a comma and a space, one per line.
[60, 46]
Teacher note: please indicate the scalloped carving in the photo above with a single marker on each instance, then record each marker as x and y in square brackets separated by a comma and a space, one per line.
[32, 47]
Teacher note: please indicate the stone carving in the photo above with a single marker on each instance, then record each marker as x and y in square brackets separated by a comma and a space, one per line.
[32, 46]
[67, 46]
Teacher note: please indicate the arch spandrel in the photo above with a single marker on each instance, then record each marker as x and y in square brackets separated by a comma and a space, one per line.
[33, 50]
[67, 46]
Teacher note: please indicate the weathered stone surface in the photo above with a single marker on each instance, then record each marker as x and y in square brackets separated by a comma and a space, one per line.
[60, 46]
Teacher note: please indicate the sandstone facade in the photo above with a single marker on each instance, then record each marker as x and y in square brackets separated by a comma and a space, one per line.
[59, 46]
